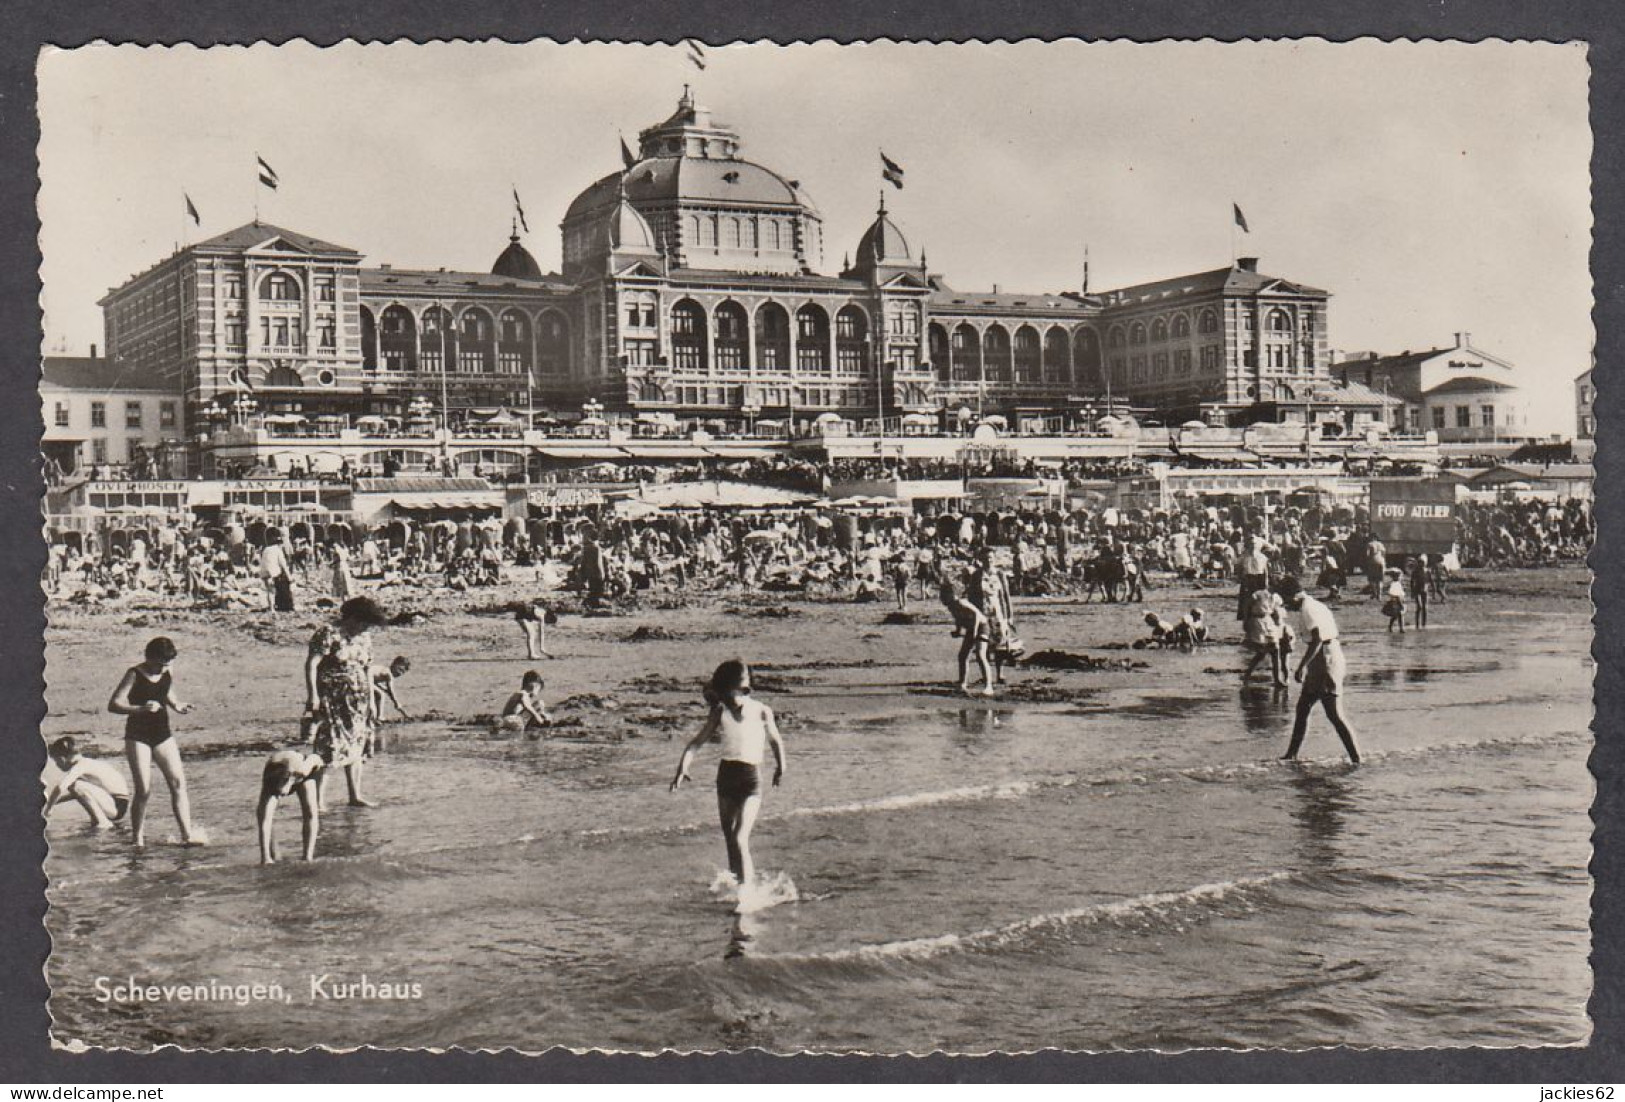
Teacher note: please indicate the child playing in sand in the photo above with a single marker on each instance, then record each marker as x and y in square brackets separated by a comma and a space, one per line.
[525, 709]
[1164, 634]
[97, 786]
[145, 696]
[974, 631]
[287, 773]
[534, 618]
[1196, 626]
[383, 688]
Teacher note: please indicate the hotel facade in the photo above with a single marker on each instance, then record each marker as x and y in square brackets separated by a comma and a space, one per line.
[694, 287]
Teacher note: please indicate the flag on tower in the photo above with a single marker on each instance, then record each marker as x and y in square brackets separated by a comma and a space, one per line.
[268, 175]
[626, 154]
[891, 170]
[191, 209]
[519, 208]
[696, 53]
[1241, 219]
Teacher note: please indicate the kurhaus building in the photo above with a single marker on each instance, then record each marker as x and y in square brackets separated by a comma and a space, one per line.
[693, 284]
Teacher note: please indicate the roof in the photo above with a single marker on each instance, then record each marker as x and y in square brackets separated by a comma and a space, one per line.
[1468, 385]
[1357, 393]
[882, 244]
[1535, 472]
[955, 302]
[383, 281]
[699, 179]
[255, 234]
[516, 262]
[1232, 280]
[99, 373]
[734, 279]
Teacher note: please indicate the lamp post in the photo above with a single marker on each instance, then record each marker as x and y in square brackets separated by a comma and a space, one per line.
[750, 410]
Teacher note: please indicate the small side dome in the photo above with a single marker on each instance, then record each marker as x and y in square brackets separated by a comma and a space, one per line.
[516, 262]
[625, 230]
[882, 246]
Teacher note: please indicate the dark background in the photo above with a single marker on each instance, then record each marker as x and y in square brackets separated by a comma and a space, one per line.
[26, 1057]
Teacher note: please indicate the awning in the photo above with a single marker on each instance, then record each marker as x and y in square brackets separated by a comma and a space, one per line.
[584, 454]
[426, 502]
[740, 453]
[1220, 455]
[638, 452]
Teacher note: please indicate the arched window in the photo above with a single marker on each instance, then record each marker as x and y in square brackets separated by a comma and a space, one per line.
[996, 353]
[1136, 333]
[1182, 326]
[397, 339]
[1057, 356]
[1208, 322]
[937, 339]
[731, 337]
[812, 338]
[851, 341]
[688, 336]
[1114, 339]
[553, 345]
[730, 237]
[1159, 330]
[476, 342]
[280, 376]
[772, 337]
[513, 343]
[1279, 321]
[369, 340]
[280, 287]
[967, 353]
[437, 346]
[1086, 361]
[1029, 356]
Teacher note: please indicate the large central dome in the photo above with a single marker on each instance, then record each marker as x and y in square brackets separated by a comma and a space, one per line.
[708, 208]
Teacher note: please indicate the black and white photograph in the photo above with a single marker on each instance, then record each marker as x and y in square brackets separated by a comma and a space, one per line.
[890, 547]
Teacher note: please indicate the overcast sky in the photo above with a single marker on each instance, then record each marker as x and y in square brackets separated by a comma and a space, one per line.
[1430, 187]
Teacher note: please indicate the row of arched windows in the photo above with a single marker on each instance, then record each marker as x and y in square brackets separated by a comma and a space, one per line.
[1055, 356]
[1177, 327]
[729, 332]
[472, 341]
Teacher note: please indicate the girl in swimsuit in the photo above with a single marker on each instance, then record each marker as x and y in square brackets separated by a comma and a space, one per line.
[745, 728]
[145, 697]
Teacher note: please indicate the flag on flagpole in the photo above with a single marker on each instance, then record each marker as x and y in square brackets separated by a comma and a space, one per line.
[696, 53]
[1241, 219]
[191, 209]
[626, 154]
[268, 175]
[519, 208]
[891, 170]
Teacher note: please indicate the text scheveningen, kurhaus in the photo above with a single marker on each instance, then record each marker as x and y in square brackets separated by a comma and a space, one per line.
[324, 987]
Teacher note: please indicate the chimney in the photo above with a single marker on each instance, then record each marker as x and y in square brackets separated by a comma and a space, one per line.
[93, 352]
[1463, 339]
[1247, 263]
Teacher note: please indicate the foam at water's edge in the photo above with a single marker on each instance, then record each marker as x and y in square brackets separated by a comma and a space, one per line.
[925, 947]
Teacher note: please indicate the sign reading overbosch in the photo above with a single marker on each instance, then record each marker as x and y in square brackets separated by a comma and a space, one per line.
[1413, 516]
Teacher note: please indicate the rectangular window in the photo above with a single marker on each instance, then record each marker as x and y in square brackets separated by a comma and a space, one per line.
[1487, 416]
[324, 290]
[132, 415]
[98, 450]
[1182, 361]
[1464, 417]
[62, 415]
[325, 334]
[1438, 417]
[234, 333]
[166, 415]
[234, 286]
[98, 417]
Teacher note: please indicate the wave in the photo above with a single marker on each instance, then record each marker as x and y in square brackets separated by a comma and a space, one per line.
[1157, 906]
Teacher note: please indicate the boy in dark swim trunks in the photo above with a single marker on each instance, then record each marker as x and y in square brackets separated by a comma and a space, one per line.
[288, 773]
[97, 787]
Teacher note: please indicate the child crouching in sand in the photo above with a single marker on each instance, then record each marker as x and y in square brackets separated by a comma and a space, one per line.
[288, 773]
[525, 709]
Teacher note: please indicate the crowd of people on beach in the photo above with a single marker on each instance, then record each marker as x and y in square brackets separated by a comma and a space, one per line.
[976, 564]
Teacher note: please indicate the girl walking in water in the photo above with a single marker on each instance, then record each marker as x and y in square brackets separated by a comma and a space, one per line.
[745, 728]
[145, 697]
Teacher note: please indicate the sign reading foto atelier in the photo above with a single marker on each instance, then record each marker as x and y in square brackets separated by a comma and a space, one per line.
[1413, 517]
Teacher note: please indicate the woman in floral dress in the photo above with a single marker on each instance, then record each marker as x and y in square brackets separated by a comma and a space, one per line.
[338, 692]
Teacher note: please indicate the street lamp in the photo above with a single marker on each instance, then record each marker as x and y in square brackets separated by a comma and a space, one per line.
[750, 410]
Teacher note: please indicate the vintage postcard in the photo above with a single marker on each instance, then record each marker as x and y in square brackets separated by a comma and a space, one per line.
[875, 548]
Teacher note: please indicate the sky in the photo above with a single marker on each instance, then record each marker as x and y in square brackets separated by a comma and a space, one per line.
[1432, 188]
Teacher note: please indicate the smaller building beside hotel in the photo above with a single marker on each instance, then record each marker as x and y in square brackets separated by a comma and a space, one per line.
[99, 414]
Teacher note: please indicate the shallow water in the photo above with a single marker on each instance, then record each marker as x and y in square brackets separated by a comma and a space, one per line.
[1122, 866]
